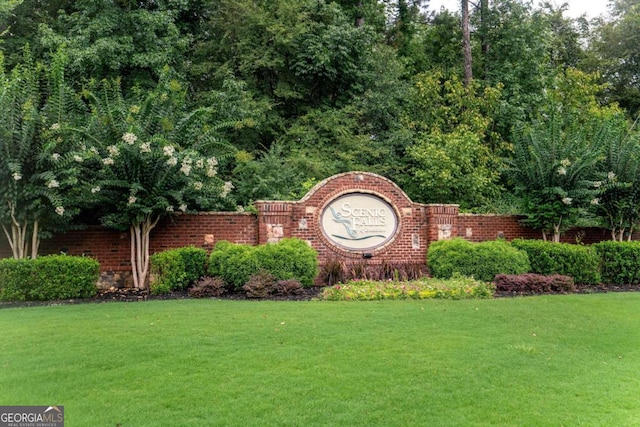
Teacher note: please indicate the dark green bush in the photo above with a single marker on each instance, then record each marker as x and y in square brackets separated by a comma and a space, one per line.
[234, 263]
[479, 260]
[619, 262]
[287, 259]
[176, 269]
[48, 278]
[577, 261]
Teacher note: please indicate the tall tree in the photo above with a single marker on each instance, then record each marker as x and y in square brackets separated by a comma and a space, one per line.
[466, 44]
[147, 161]
[38, 168]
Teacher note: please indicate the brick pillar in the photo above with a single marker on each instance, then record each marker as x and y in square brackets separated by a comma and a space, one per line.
[442, 222]
[274, 221]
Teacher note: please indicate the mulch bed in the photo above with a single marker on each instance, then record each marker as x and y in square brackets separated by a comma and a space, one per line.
[135, 295]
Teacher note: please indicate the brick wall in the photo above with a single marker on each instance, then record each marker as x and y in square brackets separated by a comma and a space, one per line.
[418, 225]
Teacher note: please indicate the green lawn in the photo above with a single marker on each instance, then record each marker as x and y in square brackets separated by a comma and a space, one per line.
[536, 361]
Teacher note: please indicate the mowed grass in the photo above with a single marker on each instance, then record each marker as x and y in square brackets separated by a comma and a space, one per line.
[536, 361]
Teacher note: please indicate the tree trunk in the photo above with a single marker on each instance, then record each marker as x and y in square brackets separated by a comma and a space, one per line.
[484, 17]
[360, 16]
[18, 237]
[140, 250]
[466, 44]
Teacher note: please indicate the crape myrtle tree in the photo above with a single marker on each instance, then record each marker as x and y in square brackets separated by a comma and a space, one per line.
[618, 186]
[38, 170]
[553, 168]
[148, 160]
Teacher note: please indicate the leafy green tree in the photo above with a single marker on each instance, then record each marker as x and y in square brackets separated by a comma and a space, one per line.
[618, 190]
[147, 156]
[124, 38]
[553, 168]
[616, 46]
[454, 156]
[38, 173]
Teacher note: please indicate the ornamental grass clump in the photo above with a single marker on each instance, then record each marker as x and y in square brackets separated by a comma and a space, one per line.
[456, 288]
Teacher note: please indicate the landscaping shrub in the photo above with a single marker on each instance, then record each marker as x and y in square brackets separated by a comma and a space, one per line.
[260, 285]
[287, 259]
[207, 287]
[176, 269]
[457, 287]
[483, 260]
[619, 262]
[531, 284]
[264, 284]
[234, 263]
[48, 278]
[577, 261]
[288, 287]
[336, 271]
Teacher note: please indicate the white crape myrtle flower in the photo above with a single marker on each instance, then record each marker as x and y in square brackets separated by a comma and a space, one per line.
[108, 161]
[113, 150]
[611, 176]
[129, 138]
[172, 161]
[55, 126]
[132, 199]
[197, 185]
[565, 162]
[55, 156]
[169, 208]
[595, 201]
[567, 200]
[183, 207]
[145, 147]
[200, 163]
[17, 176]
[78, 158]
[562, 170]
[94, 150]
[95, 190]
[226, 189]
[53, 184]
[211, 172]
[185, 168]
[168, 150]
[597, 184]
[60, 210]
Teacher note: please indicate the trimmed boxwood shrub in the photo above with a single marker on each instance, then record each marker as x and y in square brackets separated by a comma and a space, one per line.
[479, 260]
[619, 262]
[176, 269]
[48, 278]
[234, 263]
[288, 259]
[577, 261]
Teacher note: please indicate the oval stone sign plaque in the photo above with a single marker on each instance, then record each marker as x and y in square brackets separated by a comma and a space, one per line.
[359, 222]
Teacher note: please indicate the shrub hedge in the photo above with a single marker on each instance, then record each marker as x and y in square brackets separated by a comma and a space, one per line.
[48, 278]
[288, 259]
[479, 260]
[579, 262]
[619, 262]
[176, 269]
